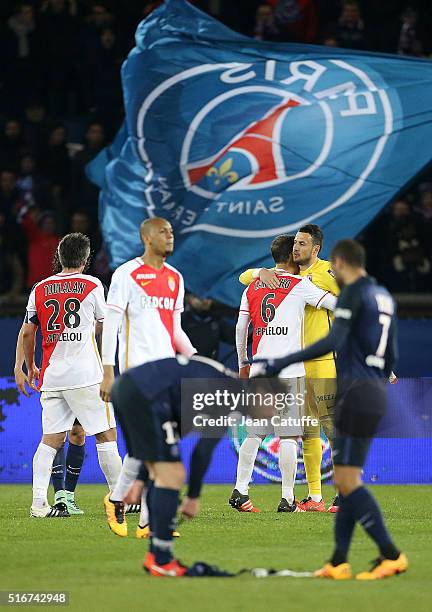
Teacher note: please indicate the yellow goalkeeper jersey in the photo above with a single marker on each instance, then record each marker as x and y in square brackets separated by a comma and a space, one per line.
[317, 322]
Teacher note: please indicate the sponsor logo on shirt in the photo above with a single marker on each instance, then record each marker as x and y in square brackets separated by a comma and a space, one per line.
[160, 302]
[145, 276]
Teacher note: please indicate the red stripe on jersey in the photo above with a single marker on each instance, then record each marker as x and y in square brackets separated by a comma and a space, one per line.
[50, 299]
[265, 301]
[160, 292]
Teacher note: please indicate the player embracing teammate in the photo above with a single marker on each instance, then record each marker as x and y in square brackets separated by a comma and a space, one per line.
[144, 307]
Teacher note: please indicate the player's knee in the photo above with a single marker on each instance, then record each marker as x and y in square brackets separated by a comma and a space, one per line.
[77, 435]
[170, 475]
[110, 435]
[56, 441]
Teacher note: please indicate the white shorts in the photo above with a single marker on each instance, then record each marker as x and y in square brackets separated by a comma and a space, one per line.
[61, 408]
[294, 388]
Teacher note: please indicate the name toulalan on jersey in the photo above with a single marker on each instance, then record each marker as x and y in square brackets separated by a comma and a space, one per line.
[66, 307]
[148, 299]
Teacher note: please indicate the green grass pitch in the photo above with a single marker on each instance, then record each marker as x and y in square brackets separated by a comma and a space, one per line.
[103, 572]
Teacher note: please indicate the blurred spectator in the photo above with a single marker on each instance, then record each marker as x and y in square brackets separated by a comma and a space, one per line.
[406, 246]
[330, 41]
[11, 144]
[204, 322]
[80, 221]
[103, 88]
[98, 19]
[265, 28]
[55, 161]
[11, 270]
[295, 20]
[23, 52]
[32, 185]
[409, 43]
[350, 30]
[10, 200]
[85, 195]
[36, 126]
[59, 28]
[41, 232]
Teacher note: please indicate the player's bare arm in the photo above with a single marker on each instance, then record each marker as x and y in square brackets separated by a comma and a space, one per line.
[29, 341]
[107, 382]
[21, 378]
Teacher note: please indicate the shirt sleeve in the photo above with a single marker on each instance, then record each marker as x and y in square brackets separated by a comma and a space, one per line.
[328, 282]
[316, 297]
[247, 277]
[118, 294]
[31, 312]
[100, 305]
[242, 331]
[347, 306]
[179, 305]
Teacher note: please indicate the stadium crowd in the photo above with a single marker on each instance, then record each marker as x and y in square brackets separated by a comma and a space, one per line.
[61, 103]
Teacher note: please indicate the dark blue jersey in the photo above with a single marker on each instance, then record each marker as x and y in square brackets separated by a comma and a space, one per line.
[367, 313]
[363, 335]
[154, 377]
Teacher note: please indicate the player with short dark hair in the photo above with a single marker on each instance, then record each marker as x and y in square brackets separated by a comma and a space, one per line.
[364, 336]
[320, 373]
[276, 317]
[68, 307]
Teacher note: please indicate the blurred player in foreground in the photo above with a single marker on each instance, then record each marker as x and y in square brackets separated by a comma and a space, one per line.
[67, 306]
[320, 372]
[147, 403]
[364, 336]
[144, 307]
[277, 327]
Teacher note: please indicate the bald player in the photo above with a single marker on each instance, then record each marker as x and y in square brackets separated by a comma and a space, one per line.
[144, 307]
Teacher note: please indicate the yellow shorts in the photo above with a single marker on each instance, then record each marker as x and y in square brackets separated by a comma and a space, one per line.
[321, 391]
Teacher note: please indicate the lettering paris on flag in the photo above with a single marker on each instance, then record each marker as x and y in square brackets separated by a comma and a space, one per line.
[236, 141]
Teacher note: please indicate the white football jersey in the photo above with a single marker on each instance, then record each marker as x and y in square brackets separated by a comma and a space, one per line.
[277, 317]
[148, 299]
[66, 306]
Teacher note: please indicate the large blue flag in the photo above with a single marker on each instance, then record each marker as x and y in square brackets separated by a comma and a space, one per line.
[236, 140]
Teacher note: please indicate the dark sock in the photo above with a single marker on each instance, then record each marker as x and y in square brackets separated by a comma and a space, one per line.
[149, 500]
[164, 508]
[367, 512]
[74, 462]
[344, 529]
[57, 474]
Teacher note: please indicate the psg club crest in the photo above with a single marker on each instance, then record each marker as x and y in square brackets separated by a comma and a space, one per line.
[267, 461]
[250, 138]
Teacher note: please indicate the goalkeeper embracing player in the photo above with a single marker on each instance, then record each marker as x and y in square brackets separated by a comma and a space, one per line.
[364, 336]
[320, 372]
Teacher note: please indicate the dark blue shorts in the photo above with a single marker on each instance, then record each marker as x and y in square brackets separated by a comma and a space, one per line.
[150, 428]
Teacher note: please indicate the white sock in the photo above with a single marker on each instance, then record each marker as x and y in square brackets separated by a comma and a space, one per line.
[42, 465]
[246, 461]
[110, 462]
[144, 514]
[128, 474]
[315, 498]
[288, 467]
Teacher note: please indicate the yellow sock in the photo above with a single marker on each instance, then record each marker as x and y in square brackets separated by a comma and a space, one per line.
[312, 456]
